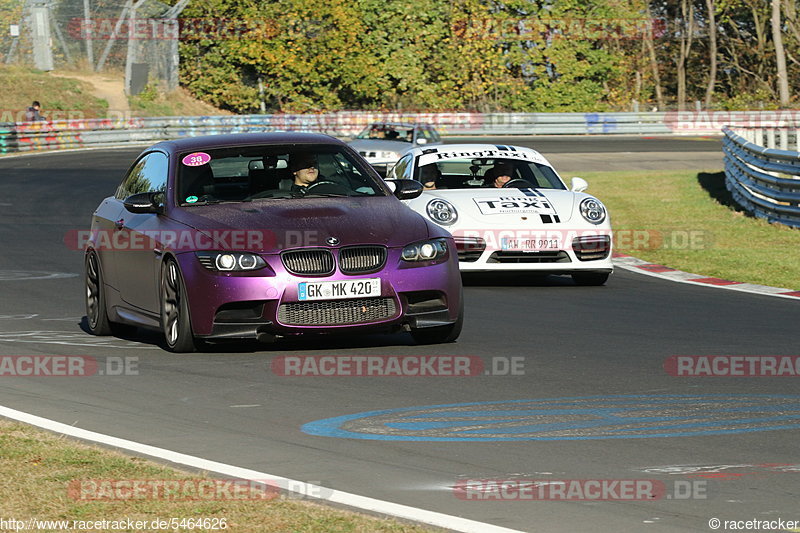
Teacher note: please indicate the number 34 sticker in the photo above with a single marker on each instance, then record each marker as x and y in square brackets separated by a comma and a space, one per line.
[196, 159]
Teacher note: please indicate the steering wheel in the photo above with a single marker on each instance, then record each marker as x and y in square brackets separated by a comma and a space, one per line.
[327, 187]
[518, 184]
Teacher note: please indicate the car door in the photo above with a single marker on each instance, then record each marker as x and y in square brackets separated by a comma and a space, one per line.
[138, 259]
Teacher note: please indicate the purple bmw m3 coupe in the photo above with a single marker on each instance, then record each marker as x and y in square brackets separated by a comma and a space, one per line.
[263, 236]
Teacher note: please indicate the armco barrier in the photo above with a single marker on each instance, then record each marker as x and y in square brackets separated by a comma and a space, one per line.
[765, 181]
[47, 135]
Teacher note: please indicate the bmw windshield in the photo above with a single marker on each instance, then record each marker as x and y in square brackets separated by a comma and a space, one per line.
[246, 173]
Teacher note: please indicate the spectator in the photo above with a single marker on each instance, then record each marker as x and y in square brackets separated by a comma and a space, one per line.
[32, 114]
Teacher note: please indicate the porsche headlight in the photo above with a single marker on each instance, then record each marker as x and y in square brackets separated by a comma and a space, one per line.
[230, 261]
[592, 210]
[425, 250]
[442, 212]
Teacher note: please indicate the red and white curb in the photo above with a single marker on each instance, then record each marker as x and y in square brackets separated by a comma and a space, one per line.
[634, 264]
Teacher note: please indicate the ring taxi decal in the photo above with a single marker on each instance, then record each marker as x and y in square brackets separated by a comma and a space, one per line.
[514, 203]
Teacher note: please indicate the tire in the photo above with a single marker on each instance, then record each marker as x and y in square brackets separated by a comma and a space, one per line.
[587, 279]
[95, 297]
[175, 320]
[441, 334]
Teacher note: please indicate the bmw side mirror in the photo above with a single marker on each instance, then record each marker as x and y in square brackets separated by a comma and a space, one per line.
[406, 189]
[144, 202]
[422, 140]
[579, 185]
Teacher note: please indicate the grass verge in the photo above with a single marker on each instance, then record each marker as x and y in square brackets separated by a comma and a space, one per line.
[150, 103]
[61, 98]
[37, 468]
[687, 220]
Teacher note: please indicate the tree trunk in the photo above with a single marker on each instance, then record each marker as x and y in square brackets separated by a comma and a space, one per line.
[780, 54]
[651, 49]
[712, 52]
[687, 29]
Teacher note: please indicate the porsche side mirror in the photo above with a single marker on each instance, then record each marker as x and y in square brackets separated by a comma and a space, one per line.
[579, 185]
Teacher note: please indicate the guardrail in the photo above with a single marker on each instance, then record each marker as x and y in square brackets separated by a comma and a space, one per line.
[764, 181]
[59, 134]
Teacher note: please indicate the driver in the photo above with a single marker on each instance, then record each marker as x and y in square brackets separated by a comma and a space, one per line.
[429, 176]
[304, 172]
[499, 175]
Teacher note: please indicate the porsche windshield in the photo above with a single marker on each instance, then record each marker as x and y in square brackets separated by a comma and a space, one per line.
[488, 172]
[245, 173]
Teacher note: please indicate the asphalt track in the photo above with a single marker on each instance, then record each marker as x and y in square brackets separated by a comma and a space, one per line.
[576, 342]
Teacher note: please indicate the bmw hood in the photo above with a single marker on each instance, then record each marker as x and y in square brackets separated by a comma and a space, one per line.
[309, 222]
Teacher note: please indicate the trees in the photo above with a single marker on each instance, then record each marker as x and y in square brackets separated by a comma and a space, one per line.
[484, 55]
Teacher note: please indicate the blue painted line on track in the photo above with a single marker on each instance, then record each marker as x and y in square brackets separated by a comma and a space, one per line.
[502, 420]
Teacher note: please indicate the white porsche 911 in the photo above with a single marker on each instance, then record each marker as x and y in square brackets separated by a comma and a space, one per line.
[508, 209]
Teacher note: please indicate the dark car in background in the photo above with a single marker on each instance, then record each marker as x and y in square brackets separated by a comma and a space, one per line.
[210, 238]
[382, 143]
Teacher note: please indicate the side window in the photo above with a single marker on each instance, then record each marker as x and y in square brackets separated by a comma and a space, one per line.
[430, 135]
[402, 169]
[149, 174]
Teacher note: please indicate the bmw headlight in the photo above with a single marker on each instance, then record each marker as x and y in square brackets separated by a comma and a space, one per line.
[592, 210]
[230, 261]
[442, 212]
[389, 155]
[425, 251]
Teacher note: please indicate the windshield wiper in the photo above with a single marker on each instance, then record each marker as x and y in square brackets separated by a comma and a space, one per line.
[217, 201]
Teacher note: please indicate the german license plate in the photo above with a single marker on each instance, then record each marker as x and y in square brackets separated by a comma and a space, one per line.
[334, 290]
[531, 244]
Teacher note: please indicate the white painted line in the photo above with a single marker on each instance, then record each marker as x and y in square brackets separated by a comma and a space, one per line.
[432, 518]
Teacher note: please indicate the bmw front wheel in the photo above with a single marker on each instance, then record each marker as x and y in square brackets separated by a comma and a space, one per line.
[175, 310]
